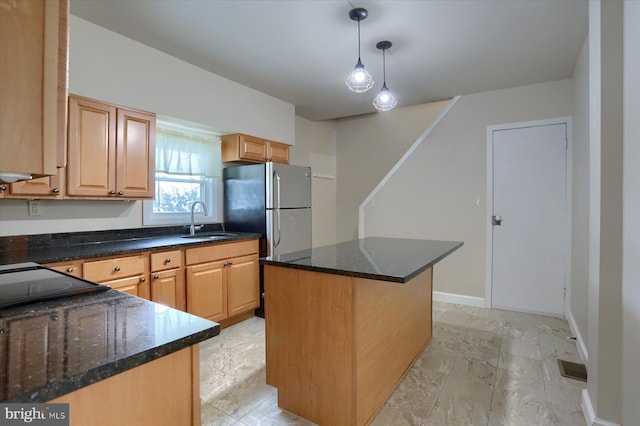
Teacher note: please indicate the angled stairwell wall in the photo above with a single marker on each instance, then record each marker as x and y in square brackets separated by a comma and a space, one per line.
[438, 190]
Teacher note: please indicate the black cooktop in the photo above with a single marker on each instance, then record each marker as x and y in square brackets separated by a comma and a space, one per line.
[29, 283]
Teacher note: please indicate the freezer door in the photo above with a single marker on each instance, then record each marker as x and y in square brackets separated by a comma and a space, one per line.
[288, 230]
[287, 186]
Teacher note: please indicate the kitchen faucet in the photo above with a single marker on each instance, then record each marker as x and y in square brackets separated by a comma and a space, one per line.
[192, 229]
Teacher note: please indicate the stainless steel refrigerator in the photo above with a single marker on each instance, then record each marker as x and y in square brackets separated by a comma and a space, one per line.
[271, 199]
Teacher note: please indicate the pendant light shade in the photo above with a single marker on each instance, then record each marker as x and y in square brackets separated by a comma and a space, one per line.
[359, 80]
[385, 100]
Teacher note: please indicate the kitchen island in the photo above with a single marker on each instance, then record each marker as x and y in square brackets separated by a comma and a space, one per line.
[344, 323]
[114, 358]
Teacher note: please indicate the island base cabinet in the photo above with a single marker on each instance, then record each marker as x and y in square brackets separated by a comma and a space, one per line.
[163, 392]
[371, 333]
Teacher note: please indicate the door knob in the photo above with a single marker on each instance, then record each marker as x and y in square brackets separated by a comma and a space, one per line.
[496, 220]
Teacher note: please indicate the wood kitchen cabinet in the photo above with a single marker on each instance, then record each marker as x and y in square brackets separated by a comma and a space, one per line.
[21, 339]
[167, 279]
[222, 279]
[46, 187]
[34, 42]
[128, 274]
[241, 147]
[72, 267]
[111, 151]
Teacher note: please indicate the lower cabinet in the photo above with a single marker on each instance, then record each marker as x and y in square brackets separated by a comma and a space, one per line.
[128, 274]
[222, 280]
[167, 279]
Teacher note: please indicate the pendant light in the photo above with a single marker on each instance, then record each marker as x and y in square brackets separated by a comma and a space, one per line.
[385, 99]
[359, 80]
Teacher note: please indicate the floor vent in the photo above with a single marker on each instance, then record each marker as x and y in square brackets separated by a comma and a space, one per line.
[572, 370]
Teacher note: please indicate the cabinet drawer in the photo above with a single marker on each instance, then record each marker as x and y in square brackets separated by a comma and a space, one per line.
[71, 268]
[112, 269]
[166, 260]
[220, 251]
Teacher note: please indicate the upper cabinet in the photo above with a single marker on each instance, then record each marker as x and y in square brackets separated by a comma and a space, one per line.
[111, 151]
[33, 85]
[241, 147]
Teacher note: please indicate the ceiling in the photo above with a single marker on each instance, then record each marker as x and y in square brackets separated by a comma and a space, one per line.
[301, 51]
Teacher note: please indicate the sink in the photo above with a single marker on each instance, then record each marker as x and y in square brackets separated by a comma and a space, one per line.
[211, 235]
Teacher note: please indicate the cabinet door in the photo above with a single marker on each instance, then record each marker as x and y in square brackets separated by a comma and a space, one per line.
[206, 291]
[167, 287]
[33, 48]
[92, 148]
[95, 327]
[44, 187]
[136, 156]
[243, 284]
[253, 148]
[278, 152]
[135, 286]
[25, 354]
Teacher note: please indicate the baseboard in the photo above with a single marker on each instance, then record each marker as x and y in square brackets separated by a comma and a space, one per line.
[589, 413]
[582, 348]
[460, 299]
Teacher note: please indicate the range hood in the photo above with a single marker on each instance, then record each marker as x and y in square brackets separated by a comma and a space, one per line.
[10, 177]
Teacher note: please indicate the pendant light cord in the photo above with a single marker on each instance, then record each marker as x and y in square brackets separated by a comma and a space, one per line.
[384, 68]
[358, 38]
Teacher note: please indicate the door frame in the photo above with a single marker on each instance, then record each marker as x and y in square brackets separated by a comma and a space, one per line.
[489, 203]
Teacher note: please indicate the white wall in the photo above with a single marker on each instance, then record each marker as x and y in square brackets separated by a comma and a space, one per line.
[367, 148]
[439, 186]
[316, 147]
[602, 399]
[579, 287]
[631, 212]
[107, 66]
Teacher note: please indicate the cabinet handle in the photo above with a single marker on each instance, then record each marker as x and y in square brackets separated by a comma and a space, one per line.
[155, 277]
[120, 192]
[70, 269]
[142, 279]
[56, 190]
[54, 317]
[112, 192]
[117, 269]
[167, 260]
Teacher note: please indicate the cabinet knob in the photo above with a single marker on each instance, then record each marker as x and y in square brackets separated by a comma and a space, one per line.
[167, 260]
[117, 269]
[54, 317]
[3, 188]
[142, 279]
[112, 192]
[70, 269]
[120, 192]
[55, 190]
[155, 277]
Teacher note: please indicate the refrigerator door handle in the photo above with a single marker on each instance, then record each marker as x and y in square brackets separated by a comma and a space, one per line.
[276, 242]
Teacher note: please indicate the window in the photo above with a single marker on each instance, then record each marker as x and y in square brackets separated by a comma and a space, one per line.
[188, 169]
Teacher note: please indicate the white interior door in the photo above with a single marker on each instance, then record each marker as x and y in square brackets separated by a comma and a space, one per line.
[530, 233]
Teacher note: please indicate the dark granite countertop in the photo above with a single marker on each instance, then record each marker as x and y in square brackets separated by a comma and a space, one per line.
[50, 248]
[385, 259]
[52, 348]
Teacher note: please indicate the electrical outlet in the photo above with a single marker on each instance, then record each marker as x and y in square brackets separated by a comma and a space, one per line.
[35, 208]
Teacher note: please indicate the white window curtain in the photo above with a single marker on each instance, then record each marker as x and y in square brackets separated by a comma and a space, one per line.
[187, 152]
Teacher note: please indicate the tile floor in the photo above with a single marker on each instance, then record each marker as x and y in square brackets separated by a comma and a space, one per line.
[482, 367]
